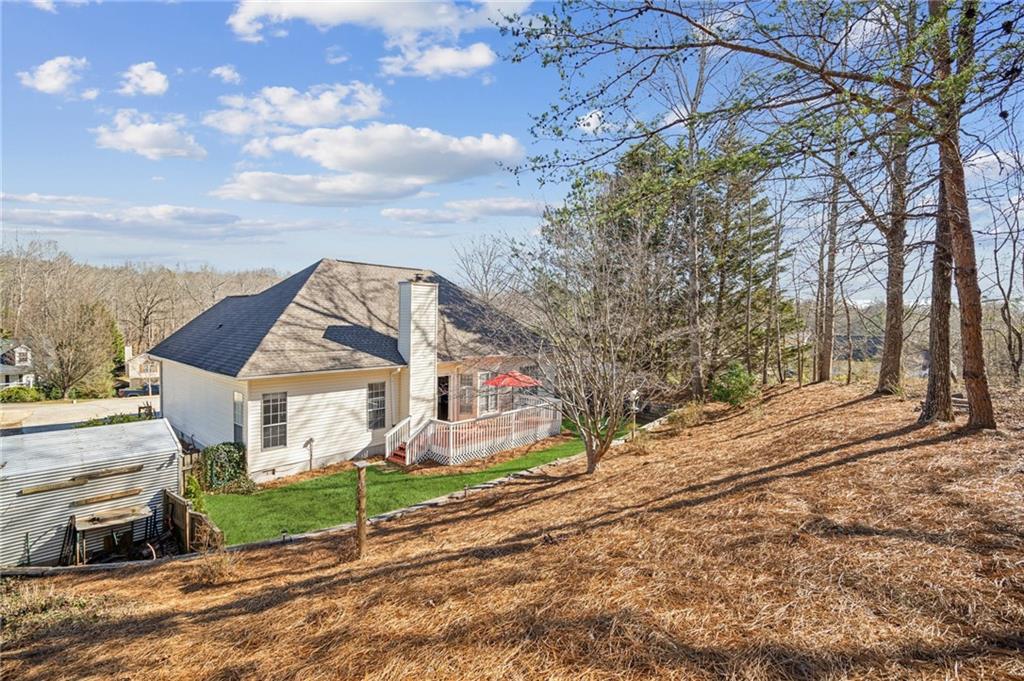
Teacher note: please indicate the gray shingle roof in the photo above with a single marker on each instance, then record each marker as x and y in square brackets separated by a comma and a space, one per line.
[332, 315]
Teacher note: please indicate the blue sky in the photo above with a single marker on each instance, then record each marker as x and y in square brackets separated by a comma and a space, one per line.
[265, 134]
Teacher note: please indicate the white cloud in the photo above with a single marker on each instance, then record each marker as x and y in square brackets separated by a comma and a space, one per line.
[51, 5]
[252, 16]
[499, 205]
[427, 216]
[334, 55]
[374, 163]
[467, 210]
[56, 76]
[425, 33]
[141, 134]
[988, 162]
[276, 109]
[591, 122]
[227, 74]
[90, 94]
[162, 221]
[317, 190]
[144, 79]
[394, 150]
[437, 61]
[73, 199]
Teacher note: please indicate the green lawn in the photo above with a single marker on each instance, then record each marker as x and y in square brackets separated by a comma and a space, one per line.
[330, 500]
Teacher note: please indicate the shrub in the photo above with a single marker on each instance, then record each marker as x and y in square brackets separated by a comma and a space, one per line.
[689, 415]
[214, 567]
[243, 485]
[223, 464]
[20, 393]
[113, 419]
[735, 385]
[194, 493]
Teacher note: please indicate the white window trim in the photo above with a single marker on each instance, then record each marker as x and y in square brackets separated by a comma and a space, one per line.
[384, 405]
[263, 426]
[485, 392]
[238, 414]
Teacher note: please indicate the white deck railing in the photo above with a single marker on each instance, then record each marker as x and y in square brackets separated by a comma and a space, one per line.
[457, 442]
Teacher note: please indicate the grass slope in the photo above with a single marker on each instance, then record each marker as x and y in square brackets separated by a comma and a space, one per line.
[330, 500]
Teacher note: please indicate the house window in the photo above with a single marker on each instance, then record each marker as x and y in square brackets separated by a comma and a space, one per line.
[488, 395]
[239, 416]
[533, 371]
[465, 395]
[275, 420]
[21, 357]
[375, 405]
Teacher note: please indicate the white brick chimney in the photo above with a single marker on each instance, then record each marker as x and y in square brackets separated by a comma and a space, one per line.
[417, 343]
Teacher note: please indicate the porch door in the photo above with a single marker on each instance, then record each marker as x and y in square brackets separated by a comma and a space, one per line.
[443, 390]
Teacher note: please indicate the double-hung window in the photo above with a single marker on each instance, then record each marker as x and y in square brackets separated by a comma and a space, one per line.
[375, 406]
[275, 420]
[487, 400]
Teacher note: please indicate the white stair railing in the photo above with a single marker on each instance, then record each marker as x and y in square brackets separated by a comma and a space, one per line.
[418, 446]
[396, 436]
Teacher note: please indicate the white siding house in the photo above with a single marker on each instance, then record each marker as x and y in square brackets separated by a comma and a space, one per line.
[199, 404]
[339, 361]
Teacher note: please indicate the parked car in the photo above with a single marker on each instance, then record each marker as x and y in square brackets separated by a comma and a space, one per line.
[139, 392]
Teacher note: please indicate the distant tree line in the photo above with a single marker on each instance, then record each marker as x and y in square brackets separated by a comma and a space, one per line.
[76, 318]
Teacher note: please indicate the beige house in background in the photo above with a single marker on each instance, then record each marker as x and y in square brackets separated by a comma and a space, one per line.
[344, 360]
[140, 370]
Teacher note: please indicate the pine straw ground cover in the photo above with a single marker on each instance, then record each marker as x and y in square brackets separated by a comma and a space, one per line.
[821, 535]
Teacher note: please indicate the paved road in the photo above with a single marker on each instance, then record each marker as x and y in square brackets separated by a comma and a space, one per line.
[38, 416]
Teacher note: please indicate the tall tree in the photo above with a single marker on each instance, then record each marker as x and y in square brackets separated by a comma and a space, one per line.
[789, 53]
[938, 398]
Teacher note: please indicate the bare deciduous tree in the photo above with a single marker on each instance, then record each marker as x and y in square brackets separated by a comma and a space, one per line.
[598, 290]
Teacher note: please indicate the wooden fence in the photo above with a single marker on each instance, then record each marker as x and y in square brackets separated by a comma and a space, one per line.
[195, 531]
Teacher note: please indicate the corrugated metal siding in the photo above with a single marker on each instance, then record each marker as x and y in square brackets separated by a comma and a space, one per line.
[43, 516]
[330, 408]
[199, 404]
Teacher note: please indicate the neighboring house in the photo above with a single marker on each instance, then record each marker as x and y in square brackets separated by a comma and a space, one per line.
[141, 370]
[345, 360]
[15, 364]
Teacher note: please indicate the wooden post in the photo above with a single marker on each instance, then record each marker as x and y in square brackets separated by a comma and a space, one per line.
[360, 508]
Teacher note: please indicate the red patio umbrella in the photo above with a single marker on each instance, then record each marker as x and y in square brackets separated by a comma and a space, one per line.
[512, 379]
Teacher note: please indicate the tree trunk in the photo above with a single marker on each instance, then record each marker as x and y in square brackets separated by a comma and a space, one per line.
[962, 238]
[890, 371]
[968, 292]
[693, 294]
[828, 298]
[937, 402]
[849, 336]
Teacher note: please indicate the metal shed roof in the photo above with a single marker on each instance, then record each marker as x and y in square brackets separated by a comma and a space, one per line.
[59, 449]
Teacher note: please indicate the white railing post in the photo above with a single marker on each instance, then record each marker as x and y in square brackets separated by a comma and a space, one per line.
[451, 445]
